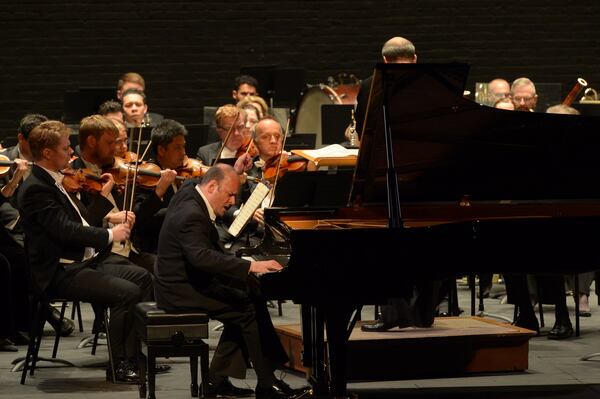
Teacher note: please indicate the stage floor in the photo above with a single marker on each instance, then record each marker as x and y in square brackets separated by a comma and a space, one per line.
[555, 369]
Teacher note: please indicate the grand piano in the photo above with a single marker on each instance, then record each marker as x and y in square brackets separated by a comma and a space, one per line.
[443, 186]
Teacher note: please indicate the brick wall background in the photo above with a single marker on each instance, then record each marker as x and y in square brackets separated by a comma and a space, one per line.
[189, 51]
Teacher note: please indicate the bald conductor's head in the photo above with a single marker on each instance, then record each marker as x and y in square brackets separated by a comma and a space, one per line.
[399, 50]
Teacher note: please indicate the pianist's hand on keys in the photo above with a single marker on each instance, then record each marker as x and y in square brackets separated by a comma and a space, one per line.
[264, 266]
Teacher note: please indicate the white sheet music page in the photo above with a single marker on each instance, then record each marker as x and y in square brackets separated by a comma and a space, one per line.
[253, 203]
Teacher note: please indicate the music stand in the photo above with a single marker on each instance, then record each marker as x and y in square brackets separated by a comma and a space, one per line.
[288, 83]
[301, 142]
[146, 134]
[314, 189]
[84, 101]
[281, 85]
[196, 138]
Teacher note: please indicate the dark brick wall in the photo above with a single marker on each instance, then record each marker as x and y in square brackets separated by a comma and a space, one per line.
[190, 51]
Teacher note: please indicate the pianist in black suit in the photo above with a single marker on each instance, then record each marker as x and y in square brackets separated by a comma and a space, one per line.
[63, 246]
[193, 273]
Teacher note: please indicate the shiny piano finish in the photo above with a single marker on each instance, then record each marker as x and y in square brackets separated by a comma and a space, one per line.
[479, 190]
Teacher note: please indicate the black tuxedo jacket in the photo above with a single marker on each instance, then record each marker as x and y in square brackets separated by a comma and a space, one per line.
[149, 215]
[208, 153]
[53, 227]
[192, 271]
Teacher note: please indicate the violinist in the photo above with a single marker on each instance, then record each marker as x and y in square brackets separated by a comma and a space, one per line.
[122, 142]
[66, 253]
[111, 109]
[268, 138]
[14, 306]
[228, 119]
[98, 142]
[168, 148]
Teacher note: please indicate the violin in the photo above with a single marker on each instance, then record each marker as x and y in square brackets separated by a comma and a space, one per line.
[148, 174]
[286, 163]
[76, 180]
[191, 168]
[129, 157]
[247, 147]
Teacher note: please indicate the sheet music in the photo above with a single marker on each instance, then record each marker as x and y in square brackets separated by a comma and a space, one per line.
[253, 203]
[331, 151]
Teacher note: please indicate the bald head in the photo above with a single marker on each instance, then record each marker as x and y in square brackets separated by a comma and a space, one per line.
[399, 50]
[268, 138]
[498, 89]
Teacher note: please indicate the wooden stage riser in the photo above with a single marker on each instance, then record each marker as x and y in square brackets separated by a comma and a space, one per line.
[385, 359]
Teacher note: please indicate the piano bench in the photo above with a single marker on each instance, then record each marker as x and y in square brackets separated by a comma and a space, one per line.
[166, 334]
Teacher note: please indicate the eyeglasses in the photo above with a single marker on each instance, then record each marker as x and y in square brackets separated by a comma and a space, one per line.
[238, 128]
[526, 99]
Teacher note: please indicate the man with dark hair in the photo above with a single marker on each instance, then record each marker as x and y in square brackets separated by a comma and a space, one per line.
[111, 109]
[134, 108]
[244, 85]
[21, 150]
[168, 147]
[193, 273]
[66, 252]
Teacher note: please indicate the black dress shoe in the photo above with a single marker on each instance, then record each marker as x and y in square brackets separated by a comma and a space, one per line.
[66, 328]
[561, 331]
[528, 323]
[6, 345]
[282, 387]
[125, 373]
[226, 389]
[378, 326]
[271, 393]
[161, 368]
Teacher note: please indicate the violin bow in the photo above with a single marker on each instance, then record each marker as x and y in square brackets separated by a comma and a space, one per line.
[287, 129]
[250, 145]
[226, 138]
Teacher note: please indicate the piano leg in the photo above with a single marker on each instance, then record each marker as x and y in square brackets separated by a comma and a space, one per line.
[338, 319]
[313, 334]
[327, 381]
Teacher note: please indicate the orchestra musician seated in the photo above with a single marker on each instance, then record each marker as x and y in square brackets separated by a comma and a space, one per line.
[13, 244]
[193, 273]
[523, 94]
[244, 85]
[67, 254]
[228, 119]
[497, 89]
[135, 81]
[112, 110]
[98, 138]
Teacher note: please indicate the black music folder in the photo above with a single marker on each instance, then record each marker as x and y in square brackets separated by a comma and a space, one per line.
[313, 189]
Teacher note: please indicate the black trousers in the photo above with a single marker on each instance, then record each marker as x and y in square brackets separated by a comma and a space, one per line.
[115, 283]
[248, 330]
[14, 291]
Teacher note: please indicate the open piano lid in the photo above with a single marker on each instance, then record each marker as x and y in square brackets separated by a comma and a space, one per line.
[447, 148]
